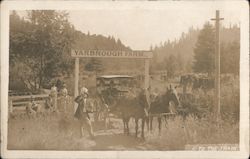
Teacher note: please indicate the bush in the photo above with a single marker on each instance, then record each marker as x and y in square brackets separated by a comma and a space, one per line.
[195, 131]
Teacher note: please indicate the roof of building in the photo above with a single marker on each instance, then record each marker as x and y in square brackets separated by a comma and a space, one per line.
[114, 76]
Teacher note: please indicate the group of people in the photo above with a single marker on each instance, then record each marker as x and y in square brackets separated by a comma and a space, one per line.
[82, 111]
[50, 103]
[53, 98]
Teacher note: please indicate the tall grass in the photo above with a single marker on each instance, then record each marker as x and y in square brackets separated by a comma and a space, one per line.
[179, 133]
[54, 131]
[61, 132]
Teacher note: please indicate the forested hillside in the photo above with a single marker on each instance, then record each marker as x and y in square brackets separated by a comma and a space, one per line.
[40, 46]
[41, 42]
[179, 54]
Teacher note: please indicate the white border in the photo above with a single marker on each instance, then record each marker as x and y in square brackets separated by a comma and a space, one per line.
[79, 5]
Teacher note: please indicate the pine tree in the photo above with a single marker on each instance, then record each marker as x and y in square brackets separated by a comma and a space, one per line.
[230, 57]
[204, 51]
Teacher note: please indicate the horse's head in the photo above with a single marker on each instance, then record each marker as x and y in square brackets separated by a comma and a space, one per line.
[171, 96]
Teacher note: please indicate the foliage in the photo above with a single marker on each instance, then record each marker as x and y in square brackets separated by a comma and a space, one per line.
[204, 51]
[47, 132]
[183, 49]
[192, 131]
[94, 65]
[171, 65]
[230, 57]
[39, 45]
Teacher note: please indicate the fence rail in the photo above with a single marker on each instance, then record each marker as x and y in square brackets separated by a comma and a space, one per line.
[24, 100]
[162, 114]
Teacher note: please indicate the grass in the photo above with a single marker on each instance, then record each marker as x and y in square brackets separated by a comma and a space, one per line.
[61, 132]
[195, 131]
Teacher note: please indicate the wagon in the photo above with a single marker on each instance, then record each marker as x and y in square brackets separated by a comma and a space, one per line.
[115, 86]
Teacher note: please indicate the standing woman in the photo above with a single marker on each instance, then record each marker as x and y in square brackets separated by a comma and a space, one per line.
[64, 98]
[53, 95]
[82, 113]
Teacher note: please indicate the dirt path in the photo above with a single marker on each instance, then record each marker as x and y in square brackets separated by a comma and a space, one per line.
[114, 139]
[59, 134]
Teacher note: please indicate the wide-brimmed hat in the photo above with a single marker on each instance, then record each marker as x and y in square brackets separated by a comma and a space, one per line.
[84, 90]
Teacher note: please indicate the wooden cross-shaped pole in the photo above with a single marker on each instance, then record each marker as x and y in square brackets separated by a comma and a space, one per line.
[217, 62]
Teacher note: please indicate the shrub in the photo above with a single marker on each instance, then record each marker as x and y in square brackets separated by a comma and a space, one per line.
[195, 131]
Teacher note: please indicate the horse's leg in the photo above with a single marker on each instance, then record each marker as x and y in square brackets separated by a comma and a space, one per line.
[159, 126]
[166, 120]
[81, 130]
[105, 122]
[142, 127]
[136, 127]
[147, 122]
[128, 126]
[124, 125]
[151, 123]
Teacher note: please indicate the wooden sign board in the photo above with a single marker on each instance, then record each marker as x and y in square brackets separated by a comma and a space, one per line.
[111, 54]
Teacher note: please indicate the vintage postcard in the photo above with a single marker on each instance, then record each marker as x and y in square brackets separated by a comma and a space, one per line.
[123, 79]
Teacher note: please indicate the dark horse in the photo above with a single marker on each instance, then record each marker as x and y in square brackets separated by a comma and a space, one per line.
[136, 107]
[165, 103]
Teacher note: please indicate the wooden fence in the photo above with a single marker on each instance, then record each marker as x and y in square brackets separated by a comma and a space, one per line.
[20, 101]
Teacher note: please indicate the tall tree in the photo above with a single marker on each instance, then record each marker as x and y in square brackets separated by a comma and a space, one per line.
[204, 50]
[230, 57]
[171, 65]
[41, 45]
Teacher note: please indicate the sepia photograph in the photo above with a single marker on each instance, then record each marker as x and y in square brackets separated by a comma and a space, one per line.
[125, 77]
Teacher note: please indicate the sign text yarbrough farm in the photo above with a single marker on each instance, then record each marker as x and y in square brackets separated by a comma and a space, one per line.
[111, 54]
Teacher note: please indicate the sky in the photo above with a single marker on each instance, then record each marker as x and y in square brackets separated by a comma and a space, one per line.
[140, 26]
[139, 29]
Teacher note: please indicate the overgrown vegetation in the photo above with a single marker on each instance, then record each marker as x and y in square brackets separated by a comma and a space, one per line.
[195, 131]
[40, 48]
[49, 132]
[194, 51]
[40, 52]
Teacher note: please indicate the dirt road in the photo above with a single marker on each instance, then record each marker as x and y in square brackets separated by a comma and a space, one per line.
[54, 133]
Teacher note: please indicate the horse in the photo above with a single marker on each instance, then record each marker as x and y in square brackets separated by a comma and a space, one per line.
[165, 103]
[133, 107]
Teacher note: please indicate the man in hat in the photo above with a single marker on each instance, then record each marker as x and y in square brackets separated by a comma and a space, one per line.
[82, 113]
[144, 100]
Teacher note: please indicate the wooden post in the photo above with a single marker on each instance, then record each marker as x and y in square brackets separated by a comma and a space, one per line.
[217, 62]
[10, 106]
[146, 79]
[146, 74]
[76, 80]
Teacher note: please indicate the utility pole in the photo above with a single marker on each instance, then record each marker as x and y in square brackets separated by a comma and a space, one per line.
[217, 61]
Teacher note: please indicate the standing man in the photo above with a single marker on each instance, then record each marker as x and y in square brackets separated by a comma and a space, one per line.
[144, 101]
[53, 95]
[82, 113]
